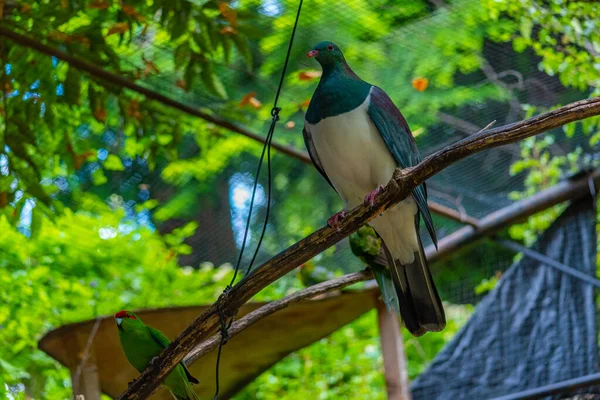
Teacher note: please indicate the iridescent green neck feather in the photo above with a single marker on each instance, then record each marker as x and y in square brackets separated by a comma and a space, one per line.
[340, 90]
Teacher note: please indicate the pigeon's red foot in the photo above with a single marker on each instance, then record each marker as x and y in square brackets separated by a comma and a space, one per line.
[370, 198]
[334, 221]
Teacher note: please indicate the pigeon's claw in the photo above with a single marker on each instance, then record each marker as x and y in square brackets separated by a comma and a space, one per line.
[334, 221]
[370, 198]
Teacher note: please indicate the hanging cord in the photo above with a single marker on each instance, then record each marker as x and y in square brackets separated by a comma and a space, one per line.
[266, 149]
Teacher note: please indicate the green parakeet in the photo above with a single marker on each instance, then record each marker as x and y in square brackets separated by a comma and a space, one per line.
[141, 343]
[366, 245]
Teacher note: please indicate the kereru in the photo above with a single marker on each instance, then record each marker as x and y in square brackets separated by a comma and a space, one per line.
[141, 343]
[356, 138]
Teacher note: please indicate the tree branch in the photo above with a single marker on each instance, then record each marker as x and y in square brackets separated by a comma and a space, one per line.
[274, 306]
[403, 182]
[121, 81]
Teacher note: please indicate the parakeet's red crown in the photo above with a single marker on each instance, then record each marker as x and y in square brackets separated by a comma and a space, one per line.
[124, 314]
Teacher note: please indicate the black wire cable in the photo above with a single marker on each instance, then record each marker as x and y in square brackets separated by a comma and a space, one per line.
[266, 149]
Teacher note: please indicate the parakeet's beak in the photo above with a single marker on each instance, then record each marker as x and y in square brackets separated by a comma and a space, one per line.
[119, 321]
[312, 53]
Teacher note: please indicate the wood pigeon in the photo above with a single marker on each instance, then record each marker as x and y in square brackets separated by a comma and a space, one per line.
[356, 138]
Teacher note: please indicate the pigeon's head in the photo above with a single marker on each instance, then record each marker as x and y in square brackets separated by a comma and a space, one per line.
[327, 54]
[127, 320]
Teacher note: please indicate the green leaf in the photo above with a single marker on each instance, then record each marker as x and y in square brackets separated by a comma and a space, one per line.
[226, 45]
[182, 54]
[113, 163]
[212, 81]
[164, 139]
[212, 30]
[486, 285]
[72, 86]
[36, 222]
[203, 41]
[92, 97]
[98, 177]
[241, 44]
[526, 27]
[569, 129]
[190, 74]
[179, 24]
[211, 5]
[12, 370]
[147, 205]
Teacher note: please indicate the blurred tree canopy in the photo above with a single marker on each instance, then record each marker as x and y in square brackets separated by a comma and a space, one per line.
[110, 200]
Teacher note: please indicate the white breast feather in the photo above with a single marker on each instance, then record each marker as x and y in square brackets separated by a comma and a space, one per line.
[356, 161]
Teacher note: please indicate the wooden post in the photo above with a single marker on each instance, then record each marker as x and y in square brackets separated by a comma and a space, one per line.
[84, 372]
[394, 358]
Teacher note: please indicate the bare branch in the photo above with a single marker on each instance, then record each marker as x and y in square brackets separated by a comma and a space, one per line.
[272, 307]
[403, 182]
[86, 354]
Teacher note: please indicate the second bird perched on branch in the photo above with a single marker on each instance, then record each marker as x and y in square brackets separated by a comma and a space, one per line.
[142, 343]
[356, 138]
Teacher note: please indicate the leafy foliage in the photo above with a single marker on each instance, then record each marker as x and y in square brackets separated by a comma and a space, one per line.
[564, 33]
[82, 266]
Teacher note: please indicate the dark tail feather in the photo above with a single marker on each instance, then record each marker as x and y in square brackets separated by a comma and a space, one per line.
[420, 306]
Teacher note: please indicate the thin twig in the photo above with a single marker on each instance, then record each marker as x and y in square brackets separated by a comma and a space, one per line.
[485, 128]
[121, 81]
[403, 182]
[274, 306]
[86, 353]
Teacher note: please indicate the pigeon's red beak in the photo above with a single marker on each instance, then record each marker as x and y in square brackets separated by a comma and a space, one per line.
[312, 53]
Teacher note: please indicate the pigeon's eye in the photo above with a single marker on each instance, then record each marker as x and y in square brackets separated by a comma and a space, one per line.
[330, 47]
